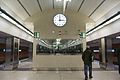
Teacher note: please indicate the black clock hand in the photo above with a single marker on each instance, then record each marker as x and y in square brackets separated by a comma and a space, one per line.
[62, 20]
[59, 18]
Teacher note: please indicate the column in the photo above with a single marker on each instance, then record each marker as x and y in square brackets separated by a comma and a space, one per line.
[8, 53]
[11, 55]
[84, 44]
[102, 53]
[16, 44]
[106, 56]
[109, 53]
[34, 54]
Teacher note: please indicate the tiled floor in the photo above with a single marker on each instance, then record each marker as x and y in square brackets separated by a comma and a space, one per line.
[57, 75]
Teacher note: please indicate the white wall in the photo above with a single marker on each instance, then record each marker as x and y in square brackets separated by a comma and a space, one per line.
[107, 30]
[43, 23]
[57, 61]
[9, 28]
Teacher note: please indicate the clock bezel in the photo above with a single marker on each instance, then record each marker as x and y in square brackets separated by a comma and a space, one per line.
[64, 17]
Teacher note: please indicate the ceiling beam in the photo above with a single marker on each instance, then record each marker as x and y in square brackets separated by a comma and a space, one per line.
[39, 5]
[53, 1]
[66, 5]
[81, 5]
[24, 7]
[97, 8]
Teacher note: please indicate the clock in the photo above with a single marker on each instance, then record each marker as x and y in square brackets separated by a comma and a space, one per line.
[59, 20]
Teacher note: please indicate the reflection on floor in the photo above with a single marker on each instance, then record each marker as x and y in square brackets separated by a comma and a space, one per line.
[27, 65]
[24, 72]
[57, 75]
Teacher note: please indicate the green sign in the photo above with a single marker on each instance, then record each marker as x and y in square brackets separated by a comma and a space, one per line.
[82, 34]
[36, 35]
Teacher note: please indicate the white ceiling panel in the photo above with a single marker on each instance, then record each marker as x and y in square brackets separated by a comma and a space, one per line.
[46, 4]
[31, 6]
[106, 7]
[16, 8]
[89, 6]
[58, 4]
[74, 4]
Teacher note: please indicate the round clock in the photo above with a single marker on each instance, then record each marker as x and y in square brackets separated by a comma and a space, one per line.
[59, 20]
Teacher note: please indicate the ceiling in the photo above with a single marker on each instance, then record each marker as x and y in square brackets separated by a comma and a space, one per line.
[92, 9]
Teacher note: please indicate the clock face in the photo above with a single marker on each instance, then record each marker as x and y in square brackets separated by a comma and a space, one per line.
[59, 20]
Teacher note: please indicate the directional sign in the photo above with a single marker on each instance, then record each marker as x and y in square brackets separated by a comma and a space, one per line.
[36, 35]
[82, 34]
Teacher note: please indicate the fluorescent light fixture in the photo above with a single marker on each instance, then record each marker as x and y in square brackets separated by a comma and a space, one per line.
[58, 0]
[118, 37]
[64, 0]
[94, 30]
[114, 18]
[59, 39]
[20, 50]
[15, 23]
[95, 50]
[57, 43]
[68, 0]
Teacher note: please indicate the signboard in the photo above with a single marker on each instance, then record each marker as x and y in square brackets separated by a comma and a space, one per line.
[36, 35]
[82, 34]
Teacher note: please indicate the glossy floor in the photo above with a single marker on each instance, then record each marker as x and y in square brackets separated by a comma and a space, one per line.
[57, 75]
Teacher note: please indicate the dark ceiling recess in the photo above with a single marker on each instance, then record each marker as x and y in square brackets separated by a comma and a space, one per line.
[39, 5]
[53, 4]
[24, 7]
[97, 8]
[81, 5]
[66, 5]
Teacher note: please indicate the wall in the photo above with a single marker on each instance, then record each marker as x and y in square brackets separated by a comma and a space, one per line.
[107, 30]
[55, 61]
[11, 29]
[58, 61]
[43, 23]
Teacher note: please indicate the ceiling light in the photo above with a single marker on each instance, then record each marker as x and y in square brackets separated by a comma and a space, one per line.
[13, 21]
[68, 0]
[58, 40]
[104, 23]
[53, 31]
[58, 0]
[118, 37]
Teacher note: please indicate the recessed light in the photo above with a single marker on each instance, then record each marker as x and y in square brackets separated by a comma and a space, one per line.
[53, 31]
[58, 0]
[118, 37]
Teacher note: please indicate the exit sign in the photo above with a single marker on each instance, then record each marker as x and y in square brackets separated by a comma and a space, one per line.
[82, 34]
[36, 35]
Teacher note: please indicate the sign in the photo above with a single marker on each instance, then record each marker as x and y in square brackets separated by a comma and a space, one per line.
[36, 35]
[82, 34]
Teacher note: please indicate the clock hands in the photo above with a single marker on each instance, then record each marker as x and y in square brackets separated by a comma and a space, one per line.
[60, 18]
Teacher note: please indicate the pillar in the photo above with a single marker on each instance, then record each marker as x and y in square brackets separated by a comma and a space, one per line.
[34, 54]
[8, 53]
[109, 54]
[103, 52]
[12, 53]
[84, 44]
[106, 50]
